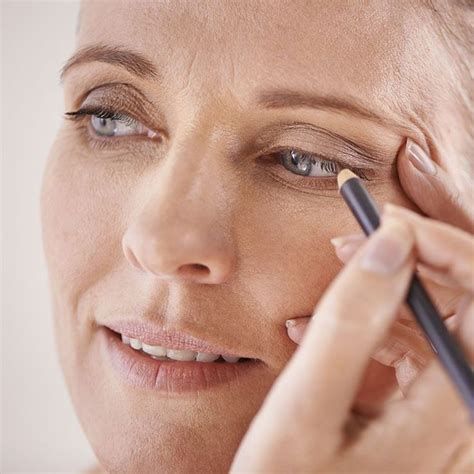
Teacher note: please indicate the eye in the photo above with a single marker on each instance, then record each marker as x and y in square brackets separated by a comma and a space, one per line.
[307, 164]
[111, 127]
[107, 123]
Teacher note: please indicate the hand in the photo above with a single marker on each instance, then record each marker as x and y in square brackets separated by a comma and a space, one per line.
[405, 350]
[432, 189]
[306, 423]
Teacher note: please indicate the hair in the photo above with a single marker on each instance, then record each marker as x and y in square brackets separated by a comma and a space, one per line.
[456, 26]
[454, 20]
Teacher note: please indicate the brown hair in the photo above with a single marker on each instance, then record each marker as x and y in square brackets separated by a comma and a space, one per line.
[455, 21]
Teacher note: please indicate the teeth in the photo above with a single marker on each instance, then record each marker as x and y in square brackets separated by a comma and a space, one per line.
[205, 357]
[161, 353]
[229, 358]
[135, 343]
[180, 355]
[154, 350]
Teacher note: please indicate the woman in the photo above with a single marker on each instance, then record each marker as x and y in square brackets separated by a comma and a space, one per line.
[188, 206]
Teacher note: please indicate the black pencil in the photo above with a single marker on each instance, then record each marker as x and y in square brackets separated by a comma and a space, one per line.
[428, 317]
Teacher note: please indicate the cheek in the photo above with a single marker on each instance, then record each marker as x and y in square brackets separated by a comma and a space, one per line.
[81, 221]
[287, 253]
[80, 229]
[290, 244]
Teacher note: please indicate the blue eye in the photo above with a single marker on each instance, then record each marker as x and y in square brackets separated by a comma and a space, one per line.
[107, 123]
[307, 164]
[110, 127]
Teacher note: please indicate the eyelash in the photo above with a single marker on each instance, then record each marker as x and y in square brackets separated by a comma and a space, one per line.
[276, 154]
[97, 142]
[100, 112]
[327, 164]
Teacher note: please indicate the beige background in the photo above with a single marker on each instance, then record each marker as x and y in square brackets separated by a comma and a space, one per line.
[39, 430]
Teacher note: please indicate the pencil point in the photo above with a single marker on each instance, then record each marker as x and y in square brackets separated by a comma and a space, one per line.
[343, 176]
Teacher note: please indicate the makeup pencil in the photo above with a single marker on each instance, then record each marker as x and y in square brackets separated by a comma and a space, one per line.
[428, 317]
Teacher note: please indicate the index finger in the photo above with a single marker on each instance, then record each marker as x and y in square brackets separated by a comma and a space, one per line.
[350, 322]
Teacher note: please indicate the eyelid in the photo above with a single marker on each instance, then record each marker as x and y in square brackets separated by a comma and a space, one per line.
[318, 140]
[356, 166]
[275, 167]
[125, 98]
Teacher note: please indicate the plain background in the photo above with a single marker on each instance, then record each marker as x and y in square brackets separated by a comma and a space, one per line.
[40, 432]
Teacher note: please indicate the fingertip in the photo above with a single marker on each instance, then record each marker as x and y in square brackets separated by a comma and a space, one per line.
[296, 328]
[419, 159]
[436, 195]
[416, 183]
[346, 252]
[342, 240]
[388, 249]
[346, 246]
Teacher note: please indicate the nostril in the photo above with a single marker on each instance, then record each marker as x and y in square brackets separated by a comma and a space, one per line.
[193, 269]
[200, 267]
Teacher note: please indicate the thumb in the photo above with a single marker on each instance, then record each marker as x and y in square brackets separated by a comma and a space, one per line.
[431, 188]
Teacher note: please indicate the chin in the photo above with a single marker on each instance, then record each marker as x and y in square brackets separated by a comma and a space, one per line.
[135, 429]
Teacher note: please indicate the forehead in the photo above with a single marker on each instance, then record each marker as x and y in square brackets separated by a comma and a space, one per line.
[367, 50]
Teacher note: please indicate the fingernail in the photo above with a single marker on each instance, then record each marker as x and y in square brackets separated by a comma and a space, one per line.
[291, 323]
[419, 158]
[339, 242]
[296, 328]
[387, 250]
[346, 246]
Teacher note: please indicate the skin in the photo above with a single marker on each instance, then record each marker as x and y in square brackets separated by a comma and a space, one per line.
[409, 435]
[203, 195]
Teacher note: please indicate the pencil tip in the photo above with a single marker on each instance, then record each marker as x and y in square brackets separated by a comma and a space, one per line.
[343, 176]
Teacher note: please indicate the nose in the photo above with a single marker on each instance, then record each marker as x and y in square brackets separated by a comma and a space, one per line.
[178, 249]
[182, 232]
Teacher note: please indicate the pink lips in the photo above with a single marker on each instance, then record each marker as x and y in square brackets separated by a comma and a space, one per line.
[171, 377]
[155, 336]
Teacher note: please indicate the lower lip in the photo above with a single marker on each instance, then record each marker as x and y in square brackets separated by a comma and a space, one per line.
[140, 370]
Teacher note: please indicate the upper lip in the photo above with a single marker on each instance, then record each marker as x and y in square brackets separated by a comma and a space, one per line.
[154, 335]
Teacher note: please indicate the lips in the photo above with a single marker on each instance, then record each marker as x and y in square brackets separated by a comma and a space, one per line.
[169, 376]
[171, 339]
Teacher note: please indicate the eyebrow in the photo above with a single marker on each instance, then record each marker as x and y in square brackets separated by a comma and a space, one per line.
[133, 62]
[142, 67]
[274, 99]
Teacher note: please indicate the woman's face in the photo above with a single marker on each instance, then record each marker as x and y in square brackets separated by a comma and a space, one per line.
[206, 227]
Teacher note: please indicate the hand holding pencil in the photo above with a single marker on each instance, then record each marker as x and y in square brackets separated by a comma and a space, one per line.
[419, 301]
[309, 414]
[310, 421]
[406, 350]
